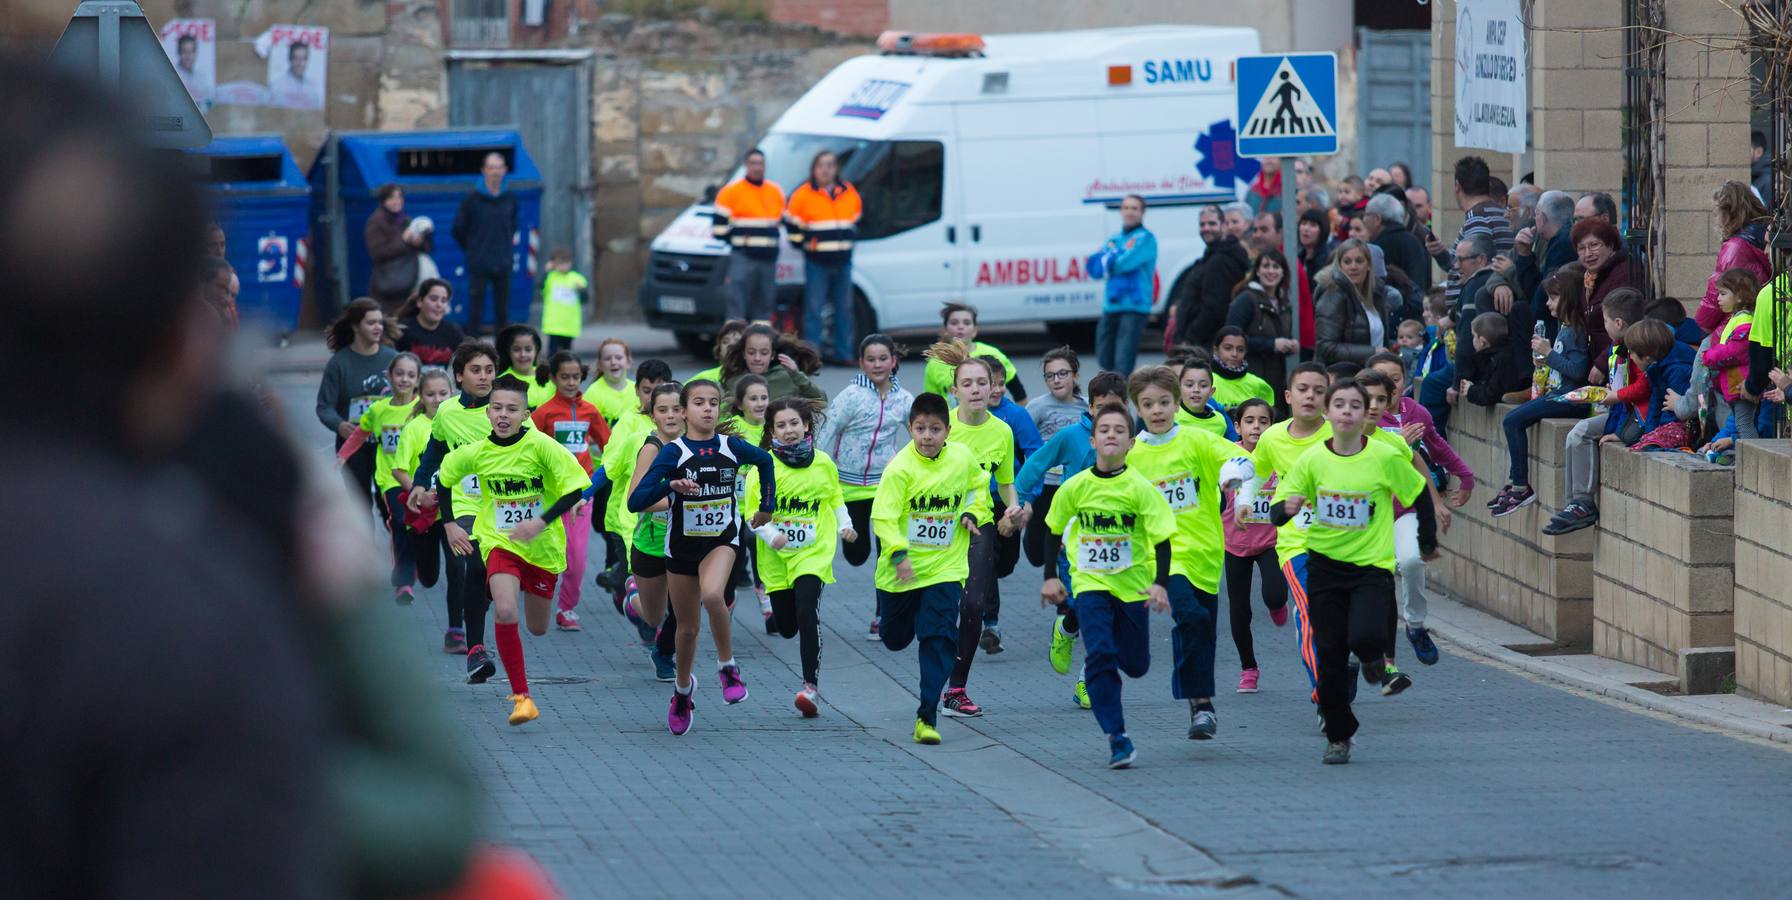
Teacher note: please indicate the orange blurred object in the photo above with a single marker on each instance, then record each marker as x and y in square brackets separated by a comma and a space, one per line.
[930, 44]
[1119, 75]
[503, 873]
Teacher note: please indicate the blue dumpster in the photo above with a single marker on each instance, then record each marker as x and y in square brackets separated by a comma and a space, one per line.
[436, 169]
[263, 203]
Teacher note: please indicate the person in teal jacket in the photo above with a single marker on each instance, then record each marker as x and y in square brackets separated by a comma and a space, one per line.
[1129, 263]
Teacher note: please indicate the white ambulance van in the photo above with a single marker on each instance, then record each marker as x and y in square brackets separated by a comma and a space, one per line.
[990, 168]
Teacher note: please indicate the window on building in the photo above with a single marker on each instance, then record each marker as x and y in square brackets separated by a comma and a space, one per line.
[481, 23]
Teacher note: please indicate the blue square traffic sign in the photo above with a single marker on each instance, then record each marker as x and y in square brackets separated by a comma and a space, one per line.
[1288, 104]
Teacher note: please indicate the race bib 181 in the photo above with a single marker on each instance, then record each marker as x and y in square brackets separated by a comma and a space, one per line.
[1345, 510]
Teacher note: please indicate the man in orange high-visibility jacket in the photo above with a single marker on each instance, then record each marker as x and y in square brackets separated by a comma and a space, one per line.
[822, 219]
[746, 216]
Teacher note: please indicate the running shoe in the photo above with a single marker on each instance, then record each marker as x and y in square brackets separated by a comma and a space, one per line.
[567, 620]
[1499, 498]
[524, 709]
[1080, 696]
[1422, 646]
[1279, 615]
[480, 665]
[1247, 681]
[603, 580]
[926, 734]
[958, 704]
[1121, 753]
[1062, 644]
[765, 609]
[876, 632]
[1395, 682]
[403, 595]
[665, 666]
[631, 607]
[1203, 725]
[679, 717]
[991, 641]
[808, 701]
[1576, 515]
[1512, 499]
[454, 640]
[1337, 753]
[734, 690]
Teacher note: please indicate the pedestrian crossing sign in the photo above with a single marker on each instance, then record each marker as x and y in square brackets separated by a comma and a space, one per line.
[1288, 104]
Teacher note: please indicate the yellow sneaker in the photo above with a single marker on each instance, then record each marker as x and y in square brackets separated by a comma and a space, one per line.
[524, 710]
[926, 734]
[1081, 695]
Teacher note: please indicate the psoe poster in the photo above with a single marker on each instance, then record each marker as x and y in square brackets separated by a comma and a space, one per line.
[192, 45]
[298, 61]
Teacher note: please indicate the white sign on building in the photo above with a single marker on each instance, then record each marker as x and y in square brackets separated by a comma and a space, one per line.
[1492, 76]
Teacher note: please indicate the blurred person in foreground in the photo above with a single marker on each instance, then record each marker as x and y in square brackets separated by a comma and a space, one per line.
[175, 734]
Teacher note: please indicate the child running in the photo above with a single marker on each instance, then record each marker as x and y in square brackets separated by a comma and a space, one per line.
[726, 336]
[1250, 545]
[1233, 381]
[384, 422]
[519, 347]
[958, 322]
[612, 392]
[647, 552]
[748, 400]
[1026, 443]
[619, 465]
[461, 421]
[1070, 449]
[1189, 467]
[423, 529]
[1119, 530]
[1351, 484]
[922, 515]
[698, 471]
[515, 527]
[1195, 381]
[991, 443]
[810, 514]
[867, 424]
[576, 425]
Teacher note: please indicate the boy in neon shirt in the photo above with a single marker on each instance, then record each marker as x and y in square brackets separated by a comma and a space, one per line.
[517, 528]
[1199, 409]
[923, 521]
[564, 296]
[958, 322]
[1119, 529]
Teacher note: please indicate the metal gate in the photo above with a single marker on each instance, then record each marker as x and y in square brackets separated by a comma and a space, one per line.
[545, 95]
[1770, 25]
[1645, 140]
[1393, 99]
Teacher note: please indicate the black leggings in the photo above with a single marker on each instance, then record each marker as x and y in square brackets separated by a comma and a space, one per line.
[796, 612]
[1238, 598]
[1007, 557]
[860, 550]
[977, 588]
[475, 596]
[426, 549]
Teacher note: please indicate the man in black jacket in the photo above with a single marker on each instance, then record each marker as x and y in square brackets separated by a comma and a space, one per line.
[483, 227]
[1221, 269]
[1384, 218]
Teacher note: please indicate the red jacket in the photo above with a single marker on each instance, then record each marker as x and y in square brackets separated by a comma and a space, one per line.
[560, 419]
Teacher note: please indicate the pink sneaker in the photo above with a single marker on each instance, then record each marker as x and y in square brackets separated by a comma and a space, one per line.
[1247, 681]
[567, 620]
[1279, 616]
[679, 718]
[734, 690]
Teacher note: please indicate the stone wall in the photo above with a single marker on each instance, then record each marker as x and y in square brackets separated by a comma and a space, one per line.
[1507, 566]
[1577, 95]
[1707, 110]
[1665, 558]
[1764, 570]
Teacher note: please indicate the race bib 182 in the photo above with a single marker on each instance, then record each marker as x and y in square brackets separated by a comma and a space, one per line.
[707, 518]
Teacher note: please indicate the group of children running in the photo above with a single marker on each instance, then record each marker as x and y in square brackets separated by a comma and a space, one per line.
[1142, 494]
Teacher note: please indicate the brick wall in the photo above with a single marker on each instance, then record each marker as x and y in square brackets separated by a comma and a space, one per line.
[1707, 112]
[1577, 95]
[1764, 571]
[1507, 566]
[852, 17]
[1665, 557]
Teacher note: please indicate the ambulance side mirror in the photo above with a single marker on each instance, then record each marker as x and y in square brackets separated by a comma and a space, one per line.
[710, 191]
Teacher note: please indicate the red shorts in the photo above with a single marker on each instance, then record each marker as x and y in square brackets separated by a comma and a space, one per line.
[535, 579]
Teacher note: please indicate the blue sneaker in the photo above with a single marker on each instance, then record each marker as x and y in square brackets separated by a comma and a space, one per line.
[1123, 753]
[665, 668]
[1422, 645]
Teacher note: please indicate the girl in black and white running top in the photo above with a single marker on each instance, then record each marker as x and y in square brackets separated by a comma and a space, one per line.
[698, 472]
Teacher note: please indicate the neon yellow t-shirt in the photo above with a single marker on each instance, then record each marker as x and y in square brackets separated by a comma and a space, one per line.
[918, 507]
[611, 402]
[712, 374]
[562, 315]
[411, 441]
[1184, 466]
[992, 446]
[1213, 423]
[1762, 331]
[517, 482]
[805, 512]
[1111, 526]
[618, 460]
[937, 378]
[1276, 454]
[457, 426]
[385, 420]
[538, 393]
[747, 485]
[1232, 391]
[1352, 499]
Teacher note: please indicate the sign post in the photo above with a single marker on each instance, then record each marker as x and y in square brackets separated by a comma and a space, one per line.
[1288, 107]
[112, 43]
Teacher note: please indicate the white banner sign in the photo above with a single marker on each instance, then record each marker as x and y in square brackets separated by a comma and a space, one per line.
[298, 60]
[192, 45]
[1492, 93]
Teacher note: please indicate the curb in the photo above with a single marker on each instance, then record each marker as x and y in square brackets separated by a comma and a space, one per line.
[1615, 690]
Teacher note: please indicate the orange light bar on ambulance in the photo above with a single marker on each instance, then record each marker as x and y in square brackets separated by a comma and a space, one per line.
[915, 43]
